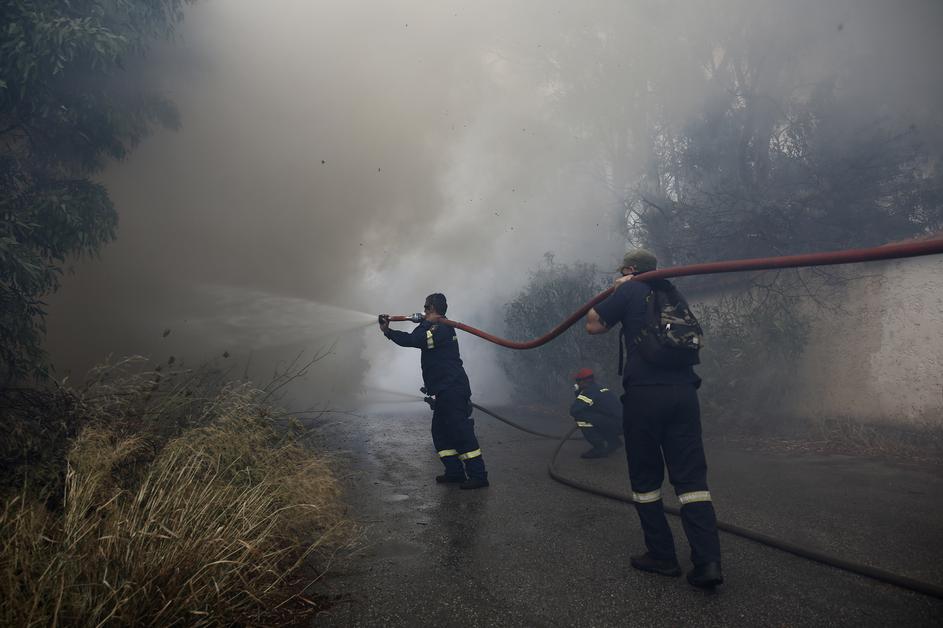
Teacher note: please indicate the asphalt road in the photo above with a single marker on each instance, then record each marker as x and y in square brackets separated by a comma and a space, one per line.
[531, 552]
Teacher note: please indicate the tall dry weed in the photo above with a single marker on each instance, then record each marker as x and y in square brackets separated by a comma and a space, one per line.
[214, 526]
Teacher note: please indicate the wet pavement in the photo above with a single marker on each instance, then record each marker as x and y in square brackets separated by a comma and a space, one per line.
[531, 552]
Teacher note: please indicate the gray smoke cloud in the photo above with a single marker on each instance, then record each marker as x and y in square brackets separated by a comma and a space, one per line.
[364, 154]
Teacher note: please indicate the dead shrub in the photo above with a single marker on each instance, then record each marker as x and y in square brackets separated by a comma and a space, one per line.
[217, 525]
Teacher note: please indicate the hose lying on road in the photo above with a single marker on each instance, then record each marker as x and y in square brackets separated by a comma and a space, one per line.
[520, 427]
[820, 557]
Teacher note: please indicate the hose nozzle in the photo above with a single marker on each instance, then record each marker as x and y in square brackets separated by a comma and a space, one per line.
[415, 318]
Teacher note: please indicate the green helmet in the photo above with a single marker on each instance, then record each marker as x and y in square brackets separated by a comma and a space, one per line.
[642, 260]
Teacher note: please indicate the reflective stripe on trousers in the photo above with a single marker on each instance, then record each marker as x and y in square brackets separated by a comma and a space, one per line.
[471, 454]
[694, 496]
[646, 498]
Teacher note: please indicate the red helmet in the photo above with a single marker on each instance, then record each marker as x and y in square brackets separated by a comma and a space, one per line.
[583, 373]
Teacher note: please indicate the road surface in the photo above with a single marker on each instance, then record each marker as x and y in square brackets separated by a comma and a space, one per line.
[529, 551]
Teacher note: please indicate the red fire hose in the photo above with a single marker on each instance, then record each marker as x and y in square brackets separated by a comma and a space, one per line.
[887, 251]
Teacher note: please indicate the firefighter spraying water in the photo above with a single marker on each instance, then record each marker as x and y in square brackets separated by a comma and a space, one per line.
[449, 392]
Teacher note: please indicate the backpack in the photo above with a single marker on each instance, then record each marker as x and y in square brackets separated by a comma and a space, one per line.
[671, 337]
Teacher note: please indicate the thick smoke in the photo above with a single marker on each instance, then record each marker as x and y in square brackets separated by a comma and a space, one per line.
[363, 155]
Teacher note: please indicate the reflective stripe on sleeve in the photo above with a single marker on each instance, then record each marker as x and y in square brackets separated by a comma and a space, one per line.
[471, 454]
[603, 390]
[694, 496]
[585, 399]
[430, 344]
[448, 452]
[646, 498]
[583, 424]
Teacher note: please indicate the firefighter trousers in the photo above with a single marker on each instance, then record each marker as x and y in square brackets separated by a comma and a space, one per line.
[663, 428]
[602, 438]
[453, 434]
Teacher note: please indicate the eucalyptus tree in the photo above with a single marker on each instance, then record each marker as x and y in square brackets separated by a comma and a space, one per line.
[68, 105]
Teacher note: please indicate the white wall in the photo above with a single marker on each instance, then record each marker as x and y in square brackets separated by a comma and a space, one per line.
[881, 360]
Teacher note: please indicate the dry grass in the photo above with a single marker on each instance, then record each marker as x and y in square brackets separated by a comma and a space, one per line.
[216, 525]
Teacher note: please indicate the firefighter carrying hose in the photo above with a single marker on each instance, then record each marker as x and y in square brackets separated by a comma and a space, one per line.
[446, 383]
[661, 417]
[598, 414]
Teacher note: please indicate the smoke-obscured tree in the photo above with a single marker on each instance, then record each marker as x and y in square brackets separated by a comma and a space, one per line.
[553, 292]
[739, 129]
[752, 340]
[748, 133]
[68, 104]
[774, 166]
[757, 174]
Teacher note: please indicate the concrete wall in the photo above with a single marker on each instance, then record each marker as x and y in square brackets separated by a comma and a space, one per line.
[881, 359]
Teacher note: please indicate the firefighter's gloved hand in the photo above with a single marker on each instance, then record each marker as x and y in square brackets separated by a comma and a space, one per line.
[423, 390]
[429, 400]
[384, 321]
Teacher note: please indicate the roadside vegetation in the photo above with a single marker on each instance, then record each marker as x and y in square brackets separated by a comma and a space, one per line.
[172, 498]
[147, 495]
[553, 292]
[73, 99]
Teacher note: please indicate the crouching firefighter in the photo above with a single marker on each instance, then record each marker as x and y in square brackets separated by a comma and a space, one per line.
[598, 414]
[446, 383]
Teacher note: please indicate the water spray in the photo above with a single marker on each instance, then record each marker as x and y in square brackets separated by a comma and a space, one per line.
[395, 393]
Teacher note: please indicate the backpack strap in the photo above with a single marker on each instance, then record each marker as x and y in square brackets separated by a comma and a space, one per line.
[652, 312]
[651, 305]
[621, 351]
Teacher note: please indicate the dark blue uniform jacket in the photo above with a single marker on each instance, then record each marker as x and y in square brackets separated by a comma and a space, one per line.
[441, 363]
[597, 405]
[628, 305]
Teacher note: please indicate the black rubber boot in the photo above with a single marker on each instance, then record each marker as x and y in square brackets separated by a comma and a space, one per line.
[472, 483]
[706, 576]
[645, 562]
[449, 479]
[594, 453]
